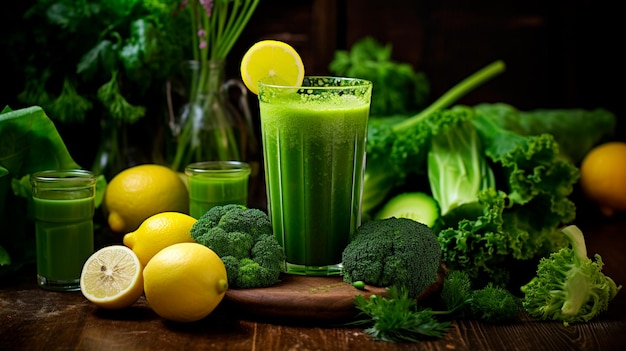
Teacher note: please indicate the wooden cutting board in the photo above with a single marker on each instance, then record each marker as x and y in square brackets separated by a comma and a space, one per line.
[305, 299]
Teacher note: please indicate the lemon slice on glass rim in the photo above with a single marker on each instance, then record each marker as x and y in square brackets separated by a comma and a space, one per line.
[272, 61]
[112, 277]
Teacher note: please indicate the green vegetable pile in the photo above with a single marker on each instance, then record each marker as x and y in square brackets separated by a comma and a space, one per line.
[501, 181]
[243, 238]
[98, 56]
[503, 193]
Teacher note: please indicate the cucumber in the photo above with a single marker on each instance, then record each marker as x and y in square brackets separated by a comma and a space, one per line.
[417, 206]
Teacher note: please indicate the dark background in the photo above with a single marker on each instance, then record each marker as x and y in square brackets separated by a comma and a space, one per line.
[559, 54]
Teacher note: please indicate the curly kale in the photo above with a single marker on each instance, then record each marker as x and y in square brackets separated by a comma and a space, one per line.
[242, 237]
[393, 252]
[518, 220]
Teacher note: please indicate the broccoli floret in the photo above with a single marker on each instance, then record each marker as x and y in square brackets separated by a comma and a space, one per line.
[265, 251]
[248, 220]
[232, 269]
[569, 286]
[212, 217]
[393, 252]
[242, 237]
[253, 275]
[236, 244]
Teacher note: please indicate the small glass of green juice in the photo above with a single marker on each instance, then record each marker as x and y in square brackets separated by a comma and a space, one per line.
[314, 152]
[213, 183]
[64, 207]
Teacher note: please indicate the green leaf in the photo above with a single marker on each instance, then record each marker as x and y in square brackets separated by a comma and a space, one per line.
[115, 103]
[102, 56]
[575, 130]
[5, 259]
[101, 185]
[70, 106]
[30, 142]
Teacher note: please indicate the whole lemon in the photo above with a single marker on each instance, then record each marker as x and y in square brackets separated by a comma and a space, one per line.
[139, 192]
[603, 176]
[158, 232]
[185, 282]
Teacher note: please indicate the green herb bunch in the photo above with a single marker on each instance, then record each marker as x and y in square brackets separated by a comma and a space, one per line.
[102, 55]
[99, 63]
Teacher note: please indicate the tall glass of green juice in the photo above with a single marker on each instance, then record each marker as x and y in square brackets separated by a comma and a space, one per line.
[213, 183]
[63, 208]
[314, 153]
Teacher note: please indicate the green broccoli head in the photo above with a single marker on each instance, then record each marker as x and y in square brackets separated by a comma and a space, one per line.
[393, 252]
[569, 286]
[243, 239]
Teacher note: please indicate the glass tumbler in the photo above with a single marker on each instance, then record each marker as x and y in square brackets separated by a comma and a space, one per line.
[213, 183]
[314, 153]
[64, 208]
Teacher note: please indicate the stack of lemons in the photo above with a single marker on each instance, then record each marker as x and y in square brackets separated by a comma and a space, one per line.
[182, 280]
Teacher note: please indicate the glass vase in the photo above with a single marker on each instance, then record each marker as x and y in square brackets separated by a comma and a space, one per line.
[204, 124]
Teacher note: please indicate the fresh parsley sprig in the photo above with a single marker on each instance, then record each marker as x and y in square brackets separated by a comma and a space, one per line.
[398, 318]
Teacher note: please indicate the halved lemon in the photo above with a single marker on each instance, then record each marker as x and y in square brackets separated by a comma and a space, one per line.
[272, 61]
[112, 277]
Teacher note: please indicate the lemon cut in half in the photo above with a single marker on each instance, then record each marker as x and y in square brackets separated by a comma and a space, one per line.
[112, 277]
[272, 61]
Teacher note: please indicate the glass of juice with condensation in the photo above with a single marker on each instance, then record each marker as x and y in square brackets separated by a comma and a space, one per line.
[314, 153]
[63, 209]
[213, 183]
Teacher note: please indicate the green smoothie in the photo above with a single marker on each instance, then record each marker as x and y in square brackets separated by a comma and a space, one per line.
[206, 192]
[314, 153]
[64, 235]
[213, 183]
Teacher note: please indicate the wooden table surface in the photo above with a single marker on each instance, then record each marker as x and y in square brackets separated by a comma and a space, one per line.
[34, 319]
